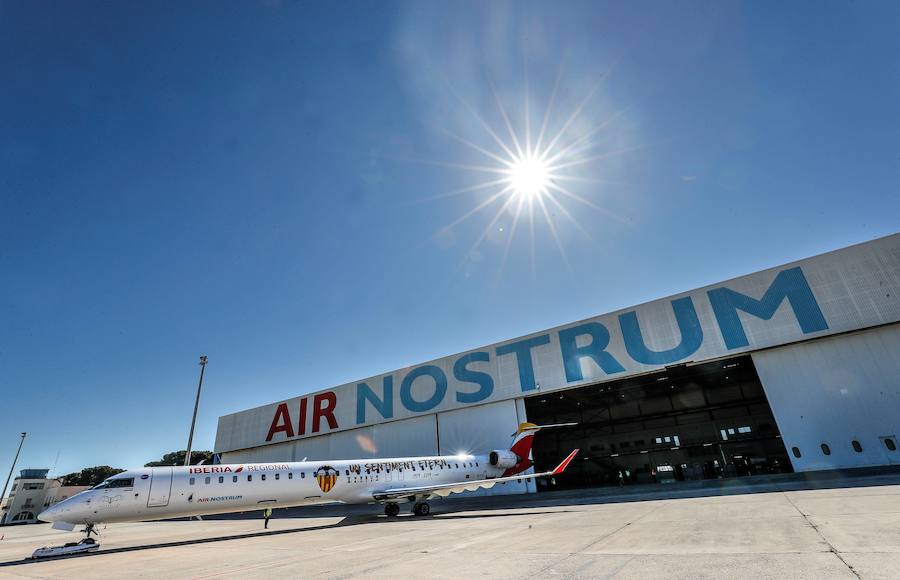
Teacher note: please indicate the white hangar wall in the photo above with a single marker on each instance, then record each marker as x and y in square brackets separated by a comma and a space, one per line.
[834, 391]
[793, 319]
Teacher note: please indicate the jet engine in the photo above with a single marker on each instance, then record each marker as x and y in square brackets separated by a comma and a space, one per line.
[503, 459]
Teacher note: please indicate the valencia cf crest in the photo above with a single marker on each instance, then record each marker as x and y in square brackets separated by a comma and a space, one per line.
[327, 477]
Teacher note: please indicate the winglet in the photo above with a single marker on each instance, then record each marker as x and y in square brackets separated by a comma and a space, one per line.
[565, 463]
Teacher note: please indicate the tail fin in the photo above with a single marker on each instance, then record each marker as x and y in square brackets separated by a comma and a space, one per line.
[523, 439]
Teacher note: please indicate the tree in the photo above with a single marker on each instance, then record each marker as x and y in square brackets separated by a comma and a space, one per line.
[177, 458]
[91, 475]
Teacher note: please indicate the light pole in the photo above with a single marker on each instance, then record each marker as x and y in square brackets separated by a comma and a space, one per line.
[12, 467]
[187, 455]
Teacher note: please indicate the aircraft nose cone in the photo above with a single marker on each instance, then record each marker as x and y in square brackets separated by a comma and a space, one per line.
[49, 514]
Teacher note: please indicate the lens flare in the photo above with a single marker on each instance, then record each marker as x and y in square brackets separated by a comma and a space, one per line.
[529, 176]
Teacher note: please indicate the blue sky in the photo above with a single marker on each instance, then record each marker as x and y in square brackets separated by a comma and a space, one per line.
[262, 183]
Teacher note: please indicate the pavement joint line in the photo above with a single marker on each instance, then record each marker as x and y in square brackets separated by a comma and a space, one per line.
[581, 551]
[833, 550]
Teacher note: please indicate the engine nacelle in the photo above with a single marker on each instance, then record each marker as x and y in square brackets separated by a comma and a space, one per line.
[503, 459]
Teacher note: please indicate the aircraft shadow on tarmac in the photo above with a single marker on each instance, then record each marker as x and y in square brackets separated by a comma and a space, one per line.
[353, 520]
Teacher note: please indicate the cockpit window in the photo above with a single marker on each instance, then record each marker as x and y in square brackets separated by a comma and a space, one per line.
[124, 482]
[102, 485]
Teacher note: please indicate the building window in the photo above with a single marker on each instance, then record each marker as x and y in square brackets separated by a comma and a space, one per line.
[856, 446]
[191, 481]
[796, 452]
[826, 449]
[889, 443]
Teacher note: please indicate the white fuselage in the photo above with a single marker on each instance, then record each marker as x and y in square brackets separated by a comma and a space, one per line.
[166, 492]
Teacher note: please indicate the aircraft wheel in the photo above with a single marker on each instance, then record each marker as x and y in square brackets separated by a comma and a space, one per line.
[391, 509]
[422, 509]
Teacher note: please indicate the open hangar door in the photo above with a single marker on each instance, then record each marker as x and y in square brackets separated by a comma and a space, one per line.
[684, 423]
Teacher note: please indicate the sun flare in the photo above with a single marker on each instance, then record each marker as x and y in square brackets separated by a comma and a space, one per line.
[529, 176]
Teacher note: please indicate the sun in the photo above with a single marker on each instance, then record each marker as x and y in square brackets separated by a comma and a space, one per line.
[529, 176]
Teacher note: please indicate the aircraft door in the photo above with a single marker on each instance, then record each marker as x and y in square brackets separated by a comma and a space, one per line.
[160, 487]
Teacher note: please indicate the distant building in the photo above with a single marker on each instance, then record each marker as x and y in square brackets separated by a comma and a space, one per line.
[32, 492]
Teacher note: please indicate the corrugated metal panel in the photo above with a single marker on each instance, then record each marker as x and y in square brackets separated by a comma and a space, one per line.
[411, 437]
[834, 391]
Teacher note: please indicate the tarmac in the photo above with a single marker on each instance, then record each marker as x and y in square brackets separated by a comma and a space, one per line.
[843, 525]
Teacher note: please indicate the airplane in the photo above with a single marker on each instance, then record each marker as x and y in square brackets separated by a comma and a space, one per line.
[154, 493]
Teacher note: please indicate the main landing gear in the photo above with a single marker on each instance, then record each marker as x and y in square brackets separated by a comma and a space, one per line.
[420, 508]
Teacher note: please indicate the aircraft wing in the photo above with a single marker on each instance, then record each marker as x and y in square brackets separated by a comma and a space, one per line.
[445, 489]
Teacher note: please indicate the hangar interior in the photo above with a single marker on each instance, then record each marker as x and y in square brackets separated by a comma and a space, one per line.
[684, 423]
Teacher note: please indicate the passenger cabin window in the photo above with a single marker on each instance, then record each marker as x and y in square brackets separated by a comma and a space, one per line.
[234, 478]
[277, 476]
[249, 478]
[826, 449]
[291, 475]
[221, 479]
[129, 482]
[206, 480]
[796, 452]
[856, 446]
[302, 475]
[191, 481]
[263, 477]
[889, 443]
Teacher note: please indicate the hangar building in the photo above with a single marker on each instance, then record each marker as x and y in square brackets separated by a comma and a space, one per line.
[795, 368]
